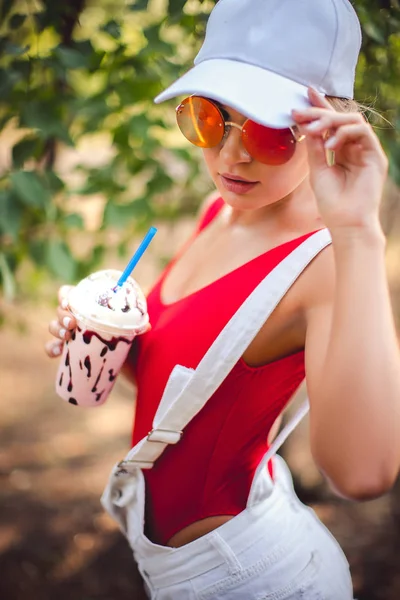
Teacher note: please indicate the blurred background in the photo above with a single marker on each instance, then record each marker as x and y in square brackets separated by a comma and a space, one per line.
[87, 164]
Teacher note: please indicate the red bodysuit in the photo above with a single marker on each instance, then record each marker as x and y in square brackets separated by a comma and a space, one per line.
[209, 472]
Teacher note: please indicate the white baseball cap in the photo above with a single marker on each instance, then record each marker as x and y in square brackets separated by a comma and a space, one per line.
[260, 56]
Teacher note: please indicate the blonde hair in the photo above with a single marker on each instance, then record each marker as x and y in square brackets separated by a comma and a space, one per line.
[348, 105]
[345, 105]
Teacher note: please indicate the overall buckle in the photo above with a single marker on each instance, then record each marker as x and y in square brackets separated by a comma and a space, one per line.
[165, 436]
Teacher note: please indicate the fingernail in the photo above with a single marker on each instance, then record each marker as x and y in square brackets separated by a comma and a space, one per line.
[313, 126]
[320, 94]
[64, 303]
[331, 142]
[66, 322]
[56, 350]
[62, 333]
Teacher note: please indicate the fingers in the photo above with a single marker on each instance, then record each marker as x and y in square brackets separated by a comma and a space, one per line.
[336, 129]
[316, 121]
[144, 329]
[62, 327]
[59, 330]
[318, 99]
[63, 295]
[66, 322]
[350, 133]
[54, 349]
[66, 319]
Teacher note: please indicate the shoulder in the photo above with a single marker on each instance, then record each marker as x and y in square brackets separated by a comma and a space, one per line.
[317, 283]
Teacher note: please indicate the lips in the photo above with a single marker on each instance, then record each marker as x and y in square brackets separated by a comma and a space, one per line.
[236, 184]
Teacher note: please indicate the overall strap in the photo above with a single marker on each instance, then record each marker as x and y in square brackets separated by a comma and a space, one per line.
[188, 390]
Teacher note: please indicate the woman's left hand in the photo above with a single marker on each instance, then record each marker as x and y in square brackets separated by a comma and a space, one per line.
[349, 192]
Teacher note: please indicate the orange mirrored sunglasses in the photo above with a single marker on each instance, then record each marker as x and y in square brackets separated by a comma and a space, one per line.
[201, 121]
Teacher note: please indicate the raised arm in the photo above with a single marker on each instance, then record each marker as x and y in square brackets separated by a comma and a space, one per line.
[352, 353]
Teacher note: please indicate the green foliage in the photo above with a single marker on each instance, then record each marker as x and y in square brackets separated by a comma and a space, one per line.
[83, 75]
[377, 82]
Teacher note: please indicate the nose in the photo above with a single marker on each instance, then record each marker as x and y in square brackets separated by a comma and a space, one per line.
[232, 150]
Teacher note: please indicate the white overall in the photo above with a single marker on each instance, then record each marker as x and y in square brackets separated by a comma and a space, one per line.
[276, 548]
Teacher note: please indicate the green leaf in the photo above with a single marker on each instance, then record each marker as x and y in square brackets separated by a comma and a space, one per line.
[37, 252]
[30, 189]
[71, 58]
[121, 136]
[176, 6]
[22, 67]
[139, 126]
[160, 183]
[155, 44]
[44, 117]
[10, 214]
[17, 20]
[96, 257]
[15, 49]
[117, 215]
[41, 21]
[91, 56]
[74, 221]
[113, 29]
[26, 148]
[5, 7]
[139, 5]
[373, 32]
[7, 278]
[53, 182]
[59, 260]
[8, 78]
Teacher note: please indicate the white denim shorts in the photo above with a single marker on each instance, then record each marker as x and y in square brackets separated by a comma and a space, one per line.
[276, 549]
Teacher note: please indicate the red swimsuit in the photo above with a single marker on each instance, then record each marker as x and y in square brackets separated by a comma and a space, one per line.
[209, 472]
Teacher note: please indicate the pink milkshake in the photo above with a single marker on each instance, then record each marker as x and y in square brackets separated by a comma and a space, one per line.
[108, 319]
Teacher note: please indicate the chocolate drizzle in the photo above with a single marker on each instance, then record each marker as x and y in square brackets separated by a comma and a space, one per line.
[94, 388]
[96, 376]
[68, 364]
[88, 365]
[111, 344]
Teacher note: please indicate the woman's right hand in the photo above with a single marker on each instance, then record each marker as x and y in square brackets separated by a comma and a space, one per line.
[62, 327]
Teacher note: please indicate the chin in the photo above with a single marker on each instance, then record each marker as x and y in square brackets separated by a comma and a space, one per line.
[250, 201]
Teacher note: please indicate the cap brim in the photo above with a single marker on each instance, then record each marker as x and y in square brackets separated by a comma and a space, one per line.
[261, 95]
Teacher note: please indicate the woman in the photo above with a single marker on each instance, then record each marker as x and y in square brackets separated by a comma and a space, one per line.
[204, 518]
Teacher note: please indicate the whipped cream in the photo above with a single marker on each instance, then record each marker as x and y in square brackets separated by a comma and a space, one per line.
[97, 299]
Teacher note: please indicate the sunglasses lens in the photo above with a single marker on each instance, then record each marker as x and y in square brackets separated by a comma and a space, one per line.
[267, 145]
[200, 122]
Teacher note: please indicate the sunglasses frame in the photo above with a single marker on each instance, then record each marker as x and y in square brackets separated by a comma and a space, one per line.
[229, 124]
[296, 139]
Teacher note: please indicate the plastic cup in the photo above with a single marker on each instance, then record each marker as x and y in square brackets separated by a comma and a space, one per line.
[92, 359]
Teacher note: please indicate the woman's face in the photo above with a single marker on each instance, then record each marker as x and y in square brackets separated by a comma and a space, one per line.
[230, 167]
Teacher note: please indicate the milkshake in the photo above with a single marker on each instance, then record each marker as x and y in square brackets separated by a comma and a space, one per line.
[108, 319]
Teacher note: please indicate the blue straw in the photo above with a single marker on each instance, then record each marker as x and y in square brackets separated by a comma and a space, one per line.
[137, 256]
